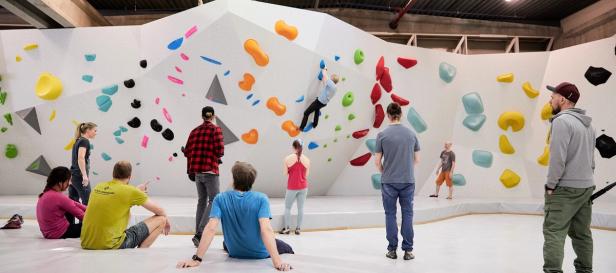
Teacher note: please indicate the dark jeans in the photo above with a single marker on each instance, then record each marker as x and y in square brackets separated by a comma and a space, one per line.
[282, 247]
[315, 107]
[392, 192]
[208, 187]
[77, 191]
[73, 231]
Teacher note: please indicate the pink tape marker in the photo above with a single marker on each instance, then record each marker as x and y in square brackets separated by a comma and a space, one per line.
[178, 69]
[190, 32]
[175, 80]
[167, 116]
[157, 101]
[184, 57]
[144, 141]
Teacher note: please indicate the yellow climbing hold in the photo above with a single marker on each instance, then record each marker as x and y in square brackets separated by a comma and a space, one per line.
[53, 115]
[76, 123]
[513, 119]
[529, 90]
[30, 46]
[69, 146]
[18, 58]
[505, 146]
[505, 78]
[546, 111]
[544, 158]
[48, 86]
[509, 178]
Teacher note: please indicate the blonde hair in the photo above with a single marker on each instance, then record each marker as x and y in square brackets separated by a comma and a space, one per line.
[83, 127]
[335, 78]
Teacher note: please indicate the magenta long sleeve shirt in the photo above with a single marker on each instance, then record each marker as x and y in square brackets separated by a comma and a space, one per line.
[50, 211]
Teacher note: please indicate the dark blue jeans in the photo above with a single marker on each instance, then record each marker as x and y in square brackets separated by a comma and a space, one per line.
[402, 192]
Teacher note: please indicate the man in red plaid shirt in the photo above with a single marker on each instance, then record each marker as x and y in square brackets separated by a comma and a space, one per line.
[203, 150]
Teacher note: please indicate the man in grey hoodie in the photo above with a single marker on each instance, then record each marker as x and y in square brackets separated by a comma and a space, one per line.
[569, 182]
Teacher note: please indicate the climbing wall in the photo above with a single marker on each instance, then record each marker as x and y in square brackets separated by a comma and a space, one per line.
[258, 65]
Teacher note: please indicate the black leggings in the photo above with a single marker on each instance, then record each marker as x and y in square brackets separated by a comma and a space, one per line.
[282, 247]
[73, 231]
[315, 107]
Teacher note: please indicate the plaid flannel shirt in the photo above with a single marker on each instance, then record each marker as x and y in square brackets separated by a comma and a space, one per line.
[204, 148]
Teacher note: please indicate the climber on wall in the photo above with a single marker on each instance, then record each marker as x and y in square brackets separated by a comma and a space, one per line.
[328, 91]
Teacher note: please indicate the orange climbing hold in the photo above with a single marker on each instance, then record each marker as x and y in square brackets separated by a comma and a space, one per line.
[290, 127]
[361, 160]
[252, 47]
[278, 108]
[285, 30]
[251, 137]
[247, 82]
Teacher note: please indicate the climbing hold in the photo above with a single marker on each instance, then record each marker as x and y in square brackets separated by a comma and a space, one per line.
[252, 47]
[386, 80]
[48, 86]
[247, 82]
[371, 144]
[256, 102]
[544, 158]
[546, 111]
[329, 159]
[324, 145]
[104, 103]
[335, 140]
[472, 103]
[505, 146]
[322, 64]
[376, 181]
[175, 154]
[18, 58]
[399, 100]
[278, 108]
[358, 57]
[286, 30]
[361, 133]
[70, 144]
[227, 73]
[119, 140]
[130, 83]
[168, 134]
[3, 97]
[190, 32]
[361, 160]
[446, 72]
[380, 68]
[110, 90]
[308, 127]
[300, 99]
[336, 58]
[90, 57]
[320, 75]
[406, 62]
[30, 117]
[123, 129]
[178, 69]
[474, 122]
[597, 75]
[338, 128]
[210, 60]
[175, 44]
[251, 137]
[379, 116]
[347, 99]
[39, 166]
[215, 92]
[175, 80]
[31, 46]
[326, 116]
[375, 95]
[529, 90]
[351, 117]
[117, 133]
[184, 57]
[507, 78]
[52, 116]
[290, 127]
[136, 104]
[11, 151]
[144, 141]
[105, 156]
[143, 63]
[167, 115]
[155, 125]
[482, 158]
[3, 129]
[249, 96]
[606, 146]
[416, 121]
[312, 145]
[509, 178]
[9, 118]
[87, 78]
[512, 119]
[458, 180]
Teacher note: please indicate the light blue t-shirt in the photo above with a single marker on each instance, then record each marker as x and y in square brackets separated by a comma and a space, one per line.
[239, 213]
[398, 145]
[328, 92]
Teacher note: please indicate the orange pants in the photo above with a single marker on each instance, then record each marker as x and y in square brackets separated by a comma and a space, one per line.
[444, 177]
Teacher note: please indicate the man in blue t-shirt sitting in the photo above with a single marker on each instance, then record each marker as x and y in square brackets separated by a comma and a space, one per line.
[245, 217]
[328, 91]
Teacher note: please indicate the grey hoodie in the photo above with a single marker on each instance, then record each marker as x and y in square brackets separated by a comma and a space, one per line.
[572, 148]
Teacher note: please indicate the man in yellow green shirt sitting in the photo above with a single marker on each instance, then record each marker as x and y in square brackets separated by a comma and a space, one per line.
[108, 212]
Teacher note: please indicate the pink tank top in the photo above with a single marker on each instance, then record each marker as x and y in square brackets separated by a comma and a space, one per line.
[297, 176]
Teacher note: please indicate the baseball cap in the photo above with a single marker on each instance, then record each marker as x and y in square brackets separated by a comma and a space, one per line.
[567, 90]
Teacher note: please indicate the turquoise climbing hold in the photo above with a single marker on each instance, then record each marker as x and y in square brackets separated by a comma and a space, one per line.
[119, 140]
[376, 181]
[110, 90]
[447, 72]
[371, 144]
[472, 103]
[87, 78]
[90, 57]
[482, 158]
[474, 122]
[458, 179]
[105, 156]
[123, 129]
[103, 102]
[416, 121]
[117, 133]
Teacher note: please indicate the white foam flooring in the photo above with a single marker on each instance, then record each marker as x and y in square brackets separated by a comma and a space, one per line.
[474, 243]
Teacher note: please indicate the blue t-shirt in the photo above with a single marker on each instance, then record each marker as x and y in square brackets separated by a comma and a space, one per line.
[328, 92]
[239, 213]
[398, 145]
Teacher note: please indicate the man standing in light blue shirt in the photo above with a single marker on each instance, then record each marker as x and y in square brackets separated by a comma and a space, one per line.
[398, 148]
[329, 90]
[245, 216]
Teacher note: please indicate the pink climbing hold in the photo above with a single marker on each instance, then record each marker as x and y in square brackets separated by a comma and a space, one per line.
[167, 116]
[144, 141]
[361, 133]
[380, 68]
[361, 160]
[406, 62]
[386, 80]
[190, 32]
[157, 101]
[376, 93]
[399, 100]
[175, 80]
[170, 158]
[379, 116]
[184, 57]
[183, 94]
[178, 69]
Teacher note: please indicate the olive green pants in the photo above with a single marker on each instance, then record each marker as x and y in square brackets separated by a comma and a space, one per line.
[568, 211]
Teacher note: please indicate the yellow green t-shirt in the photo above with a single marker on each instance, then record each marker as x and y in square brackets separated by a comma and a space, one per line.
[108, 213]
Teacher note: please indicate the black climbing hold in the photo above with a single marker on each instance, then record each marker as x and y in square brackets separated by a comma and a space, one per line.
[175, 154]
[136, 104]
[134, 123]
[597, 75]
[143, 63]
[606, 146]
[129, 83]
[156, 125]
[168, 134]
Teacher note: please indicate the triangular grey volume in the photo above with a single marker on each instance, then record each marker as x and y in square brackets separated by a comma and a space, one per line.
[29, 116]
[39, 166]
[23, 113]
[228, 136]
[215, 93]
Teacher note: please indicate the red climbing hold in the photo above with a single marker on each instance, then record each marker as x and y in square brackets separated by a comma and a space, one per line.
[407, 63]
[399, 100]
[361, 133]
[376, 93]
[379, 116]
[386, 80]
[380, 67]
[362, 160]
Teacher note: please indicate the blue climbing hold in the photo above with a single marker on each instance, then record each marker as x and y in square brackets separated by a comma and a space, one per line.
[376, 181]
[105, 156]
[300, 99]
[416, 121]
[447, 72]
[249, 96]
[371, 144]
[322, 64]
[312, 145]
[119, 140]
[472, 103]
[210, 60]
[90, 57]
[175, 44]
[87, 78]
[227, 73]
[308, 127]
[482, 158]
[110, 90]
[336, 58]
[458, 180]
[103, 102]
[474, 122]
[256, 102]
[320, 76]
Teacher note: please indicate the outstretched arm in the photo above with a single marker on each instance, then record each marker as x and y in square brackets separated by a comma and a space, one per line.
[206, 239]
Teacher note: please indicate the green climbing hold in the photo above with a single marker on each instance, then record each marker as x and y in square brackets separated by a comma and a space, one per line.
[326, 116]
[9, 118]
[338, 128]
[359, 56]
[324, 146]
[3, 97]
[343, 78]
[11, 151]
[348, 99]
[3, 129]
[335, 140]
[329, 159]
[351, 117]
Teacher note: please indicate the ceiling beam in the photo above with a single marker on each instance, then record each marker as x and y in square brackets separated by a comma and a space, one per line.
[29, 13]
[73, 13]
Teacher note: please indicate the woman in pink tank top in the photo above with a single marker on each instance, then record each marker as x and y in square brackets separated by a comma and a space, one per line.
[296, 167]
